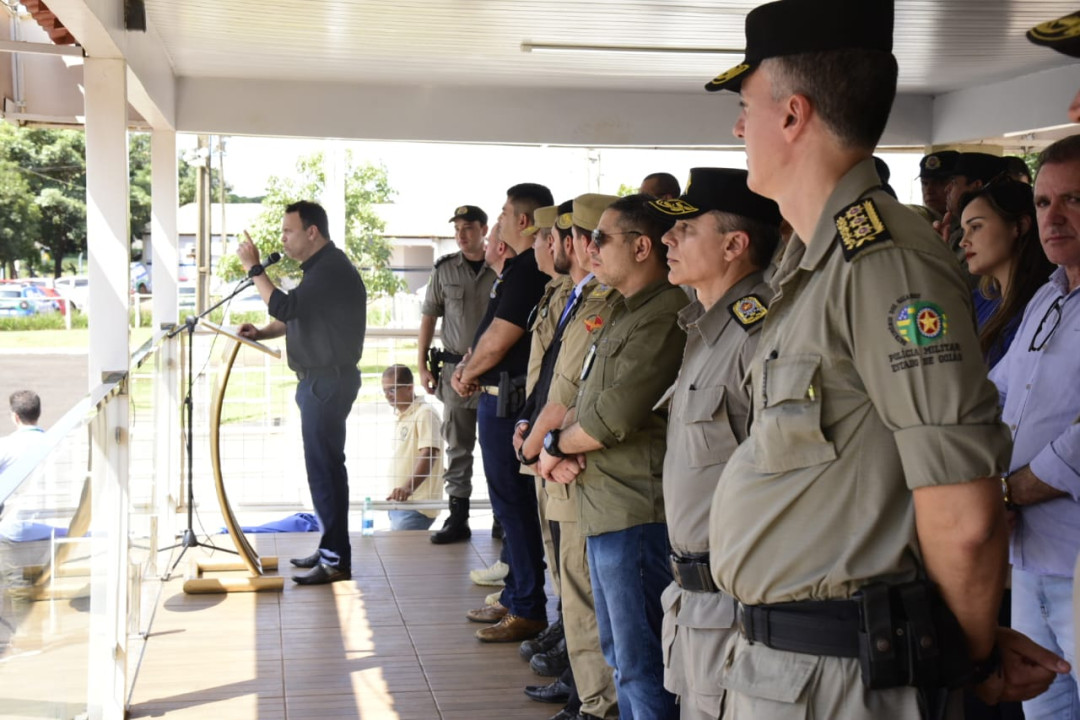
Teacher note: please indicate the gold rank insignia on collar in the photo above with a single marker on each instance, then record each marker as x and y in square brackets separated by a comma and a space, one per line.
[748, 311]
[860, 226]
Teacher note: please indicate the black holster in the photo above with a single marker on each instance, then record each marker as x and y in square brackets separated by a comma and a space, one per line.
[511, 395]
[434, 363]
[909, 636]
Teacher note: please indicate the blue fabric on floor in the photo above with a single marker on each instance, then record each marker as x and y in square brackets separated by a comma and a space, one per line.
[300, 522]
[30, 532]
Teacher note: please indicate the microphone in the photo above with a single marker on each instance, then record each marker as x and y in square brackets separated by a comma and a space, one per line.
[259, 268]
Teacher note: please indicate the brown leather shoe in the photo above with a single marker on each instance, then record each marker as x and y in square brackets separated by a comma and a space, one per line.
[511, 629]
[488, 613]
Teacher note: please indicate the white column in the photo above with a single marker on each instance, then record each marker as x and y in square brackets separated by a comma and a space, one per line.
[107, 226]
[108, 244]
[164, 243]
[333, 199]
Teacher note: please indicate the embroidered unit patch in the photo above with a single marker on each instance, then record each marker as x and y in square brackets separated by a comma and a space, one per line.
[748, 311]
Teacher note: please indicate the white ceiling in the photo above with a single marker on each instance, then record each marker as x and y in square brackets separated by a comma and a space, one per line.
[942, 45]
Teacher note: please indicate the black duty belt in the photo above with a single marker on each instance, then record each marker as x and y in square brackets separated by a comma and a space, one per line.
[692, 573]
[449, 358]
[826, 627]
[328, 371]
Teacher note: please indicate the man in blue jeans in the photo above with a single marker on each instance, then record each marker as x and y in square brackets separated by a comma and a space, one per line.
[323, 320]
[501, 351]
[612, 445]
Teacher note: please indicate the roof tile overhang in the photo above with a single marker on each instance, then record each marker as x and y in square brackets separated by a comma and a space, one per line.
[44, 17]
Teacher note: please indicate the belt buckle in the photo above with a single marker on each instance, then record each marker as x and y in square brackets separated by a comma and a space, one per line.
[740, 619]
[674, 563]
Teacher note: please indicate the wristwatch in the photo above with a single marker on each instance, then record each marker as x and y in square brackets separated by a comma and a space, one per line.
[1009, 504]
[256, 270]
[526, 460]
[551, 444]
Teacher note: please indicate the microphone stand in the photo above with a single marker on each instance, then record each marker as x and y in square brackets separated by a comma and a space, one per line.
[189, 539]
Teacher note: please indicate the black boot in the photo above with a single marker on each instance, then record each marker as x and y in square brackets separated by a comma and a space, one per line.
[456, 527]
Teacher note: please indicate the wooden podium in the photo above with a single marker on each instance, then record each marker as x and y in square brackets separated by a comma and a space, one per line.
[256, 580]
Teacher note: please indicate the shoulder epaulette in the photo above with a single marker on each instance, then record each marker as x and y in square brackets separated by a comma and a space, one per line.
[444, 258]
[748, 311]
[859, 226]
[599, 292]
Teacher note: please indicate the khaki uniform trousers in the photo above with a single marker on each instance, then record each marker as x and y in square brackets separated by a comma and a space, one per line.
[550, 553]
[767, 684]
[459, 432]
[593, 676]
[696, 628]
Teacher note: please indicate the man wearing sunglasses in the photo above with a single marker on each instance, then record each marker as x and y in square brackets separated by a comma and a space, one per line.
[1037, 381]
[612, 444]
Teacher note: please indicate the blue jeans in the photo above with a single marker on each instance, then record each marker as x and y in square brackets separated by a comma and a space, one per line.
[1042, 610]
[629, 570]
[325, 401]
[513, 499]
[409, 520]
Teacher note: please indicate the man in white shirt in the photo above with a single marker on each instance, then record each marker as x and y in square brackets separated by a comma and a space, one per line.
[417, 468]
[25, 411]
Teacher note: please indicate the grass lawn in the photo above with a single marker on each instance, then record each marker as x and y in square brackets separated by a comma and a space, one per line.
[61, 339]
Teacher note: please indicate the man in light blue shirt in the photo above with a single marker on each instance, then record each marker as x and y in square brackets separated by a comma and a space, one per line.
[25, 411]
[1040, 394]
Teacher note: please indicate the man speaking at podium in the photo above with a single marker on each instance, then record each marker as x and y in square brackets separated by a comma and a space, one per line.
[323, 320]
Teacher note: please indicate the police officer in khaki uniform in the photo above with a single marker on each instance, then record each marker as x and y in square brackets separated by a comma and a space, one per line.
[591, 694]
[724, 237]
[935, 169]
[873, 456]
[615, 440]
[458, 292]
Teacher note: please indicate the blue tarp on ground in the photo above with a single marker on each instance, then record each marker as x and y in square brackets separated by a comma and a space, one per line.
[300, 522]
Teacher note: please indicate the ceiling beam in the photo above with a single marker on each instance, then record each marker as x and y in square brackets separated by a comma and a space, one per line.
[98, 25]
[483, 114]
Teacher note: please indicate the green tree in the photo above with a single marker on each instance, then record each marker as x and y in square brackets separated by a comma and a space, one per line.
[365, 244]
[53, 165]
[625, 190]
[20, 218]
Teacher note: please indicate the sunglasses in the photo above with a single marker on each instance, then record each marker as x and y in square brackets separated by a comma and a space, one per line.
[1039, 340]
[600, 238]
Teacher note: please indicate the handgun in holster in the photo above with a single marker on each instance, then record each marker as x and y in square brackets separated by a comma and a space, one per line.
[511, 395]
[434, 363]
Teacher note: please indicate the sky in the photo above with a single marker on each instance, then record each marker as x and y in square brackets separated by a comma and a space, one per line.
[456, 174]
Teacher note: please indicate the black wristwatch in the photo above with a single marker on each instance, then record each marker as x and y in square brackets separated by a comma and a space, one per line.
[256, 270]
[551, 444]
[526, 460]
[980, 671]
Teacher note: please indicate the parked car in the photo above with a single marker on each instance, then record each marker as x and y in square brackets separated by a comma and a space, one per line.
[75, 289]
[17, 300]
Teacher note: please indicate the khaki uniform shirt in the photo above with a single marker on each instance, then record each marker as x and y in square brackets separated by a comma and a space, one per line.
[710, 406]
[868, 383]
[633, 359]
[544, 322]
[417, 428]
[460, 297]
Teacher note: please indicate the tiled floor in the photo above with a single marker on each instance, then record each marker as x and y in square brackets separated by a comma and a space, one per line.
[392, 643]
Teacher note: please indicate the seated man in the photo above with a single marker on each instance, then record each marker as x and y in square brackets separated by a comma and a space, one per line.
[417, 465]
[25, 411]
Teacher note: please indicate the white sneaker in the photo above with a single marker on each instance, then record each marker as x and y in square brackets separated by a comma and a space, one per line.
[490, 576]
[493, 598]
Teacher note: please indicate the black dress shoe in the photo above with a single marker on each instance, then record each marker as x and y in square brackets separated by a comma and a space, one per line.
[542, 642]
[307, 562]
[551, 663]
[322, 574]
[564, 714]
[555, 692]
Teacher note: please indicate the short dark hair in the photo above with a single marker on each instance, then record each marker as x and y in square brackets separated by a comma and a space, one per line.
[526, 197]
[26, 405]
[666, 182]
[852, 89]
[1017, 168]
[1065, 150]
[402, 374]
[764, 237]
[311, 214]
[635, 214]
[566, 207]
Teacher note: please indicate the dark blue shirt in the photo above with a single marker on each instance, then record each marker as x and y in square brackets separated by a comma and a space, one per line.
[513, 297]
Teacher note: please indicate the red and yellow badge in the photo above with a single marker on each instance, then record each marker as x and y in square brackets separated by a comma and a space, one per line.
[593, 323]
[748, 311]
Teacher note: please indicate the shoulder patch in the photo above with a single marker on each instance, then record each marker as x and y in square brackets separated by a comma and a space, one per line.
[860, 226]
[748, 311]
[444, 258]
